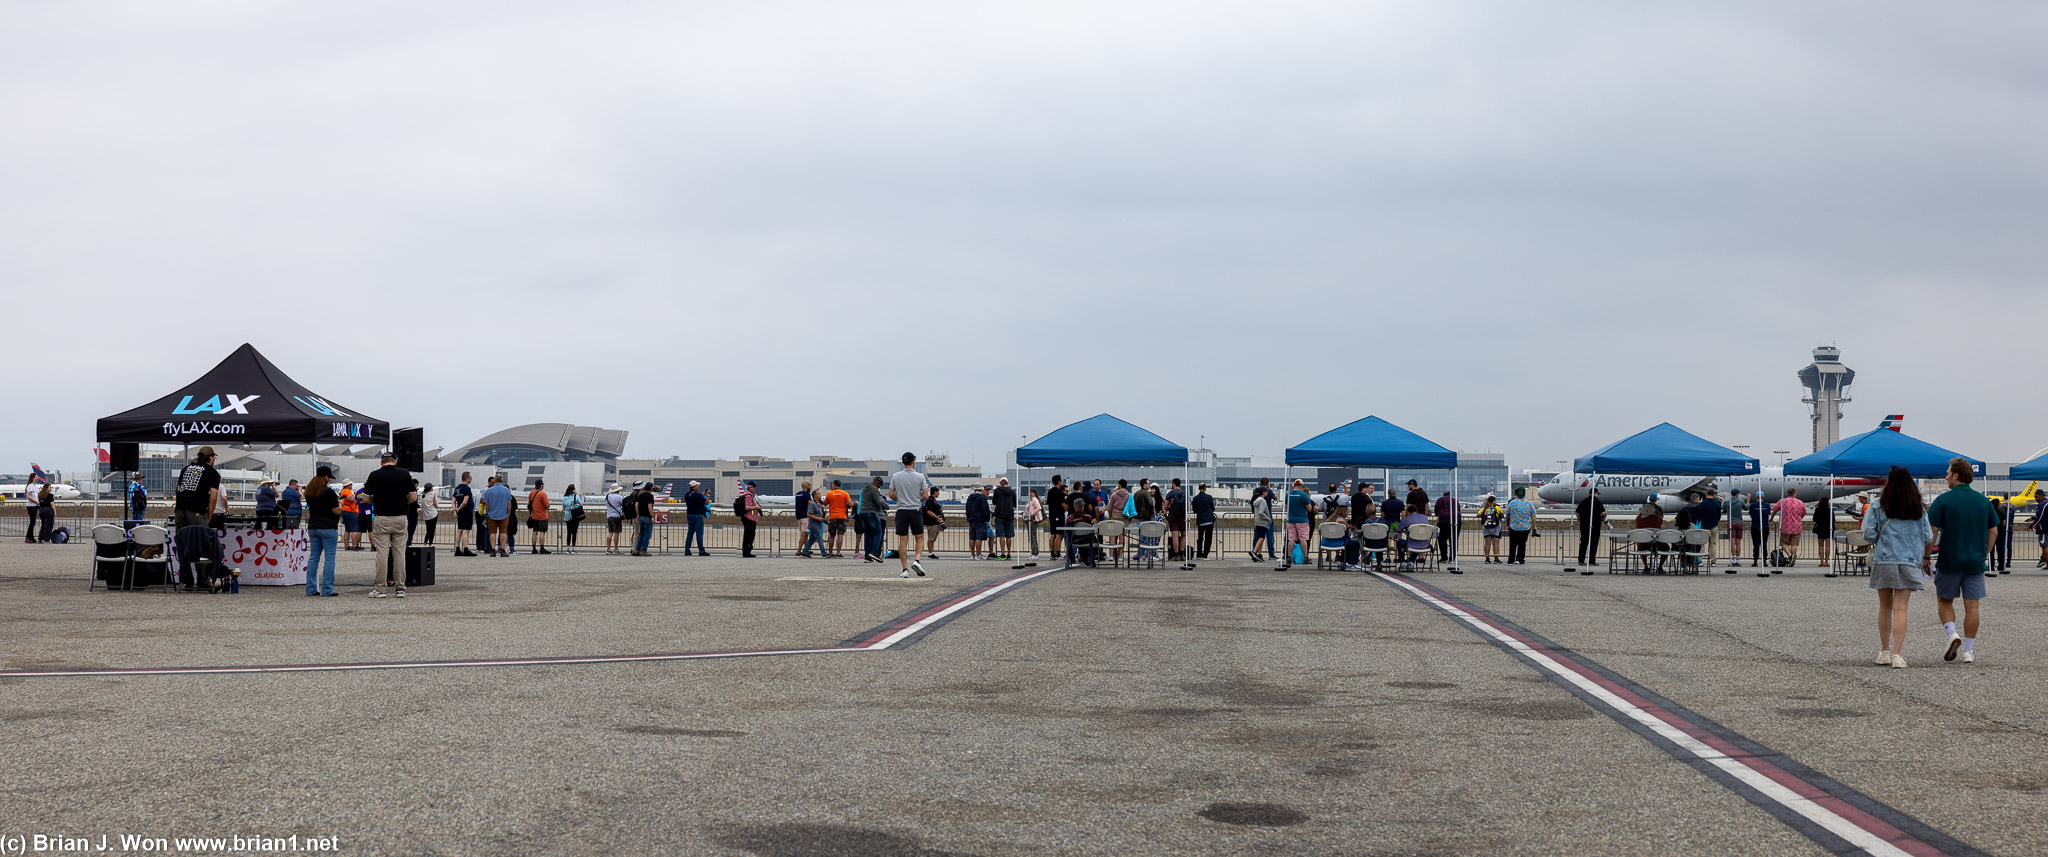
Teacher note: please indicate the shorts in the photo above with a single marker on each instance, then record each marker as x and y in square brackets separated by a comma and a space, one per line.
[2044, 537]
[351, 522]
[1297, 532]
[1177, 523]
[1896, 575]
[977, 531]
[1490, 532]
[835, 526]
[538, 525]
[1005, 528]
[1789, 540]
[614, 525]
[465, 519]
[909, 522]
[1969, 587]
[498, 525]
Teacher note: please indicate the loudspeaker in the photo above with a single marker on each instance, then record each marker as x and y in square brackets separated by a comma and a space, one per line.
[410, 445]
[419, 566]
[124, 456]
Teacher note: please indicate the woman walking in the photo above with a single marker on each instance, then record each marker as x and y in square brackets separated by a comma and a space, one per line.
[323, 515]
[572, 517]
[1899, 533]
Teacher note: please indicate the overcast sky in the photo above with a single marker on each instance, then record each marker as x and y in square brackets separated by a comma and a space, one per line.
[859, 228]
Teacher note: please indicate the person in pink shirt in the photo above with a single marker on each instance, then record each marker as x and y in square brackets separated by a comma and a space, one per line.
[1791, 522]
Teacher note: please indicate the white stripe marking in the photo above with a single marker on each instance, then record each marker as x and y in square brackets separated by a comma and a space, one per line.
[992, 592]
[1826, 818]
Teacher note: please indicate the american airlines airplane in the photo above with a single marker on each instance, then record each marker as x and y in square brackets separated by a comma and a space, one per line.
[1670, 490]
[58, 490]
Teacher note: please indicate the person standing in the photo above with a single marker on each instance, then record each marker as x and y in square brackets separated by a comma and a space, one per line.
[1591, 517]
[1262, 524]
[1392, 509]
[748, 508]
[1824, 528]
[614, 517]
[1491, 519]
[907, 487]
[138, 500]
[324, 515]
[46, 503]
[294, 501]
[643, 517]
[1447, 517]
[391, 493]
[1205, 521]
[1299, 507]
[537, 517]
[32, 505]
[837, 502]
[1791, 523]
[1707, 516]
[412, 515]
[1521, 523]
[814, 525]
[1034, 514]
[872, 510]
[198, 492]
[934, 523]
[1177, 520]
[1998, 559]
[1003, 519]
[1417, 497]
[1760, 510]
[465, 515]
[1964, 526]
[1056, 517]
[572, 517]
[1899, 535]
[429, 510]
[801, 515]
[696, 510]
[2040, 527]
[267, 515]
[1737, 508]
[497, 505]
[977, 514]
[351, 518]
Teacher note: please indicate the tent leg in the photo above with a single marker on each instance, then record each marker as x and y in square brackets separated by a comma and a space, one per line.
[1457, 520]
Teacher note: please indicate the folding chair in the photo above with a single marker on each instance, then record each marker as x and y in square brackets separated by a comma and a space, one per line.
[1418, 560]
[1693, 549]
[1665, 546]
[109, 548]
[1110, 534]
[147, 536]
[1327, 532]
[1853, 557]
[1637, 546]
[1151, 539]
[1373, 532]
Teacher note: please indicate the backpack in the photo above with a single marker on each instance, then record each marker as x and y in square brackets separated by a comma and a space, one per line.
[739, 506]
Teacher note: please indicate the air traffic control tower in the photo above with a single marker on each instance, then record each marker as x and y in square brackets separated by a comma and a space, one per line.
[1827, 387]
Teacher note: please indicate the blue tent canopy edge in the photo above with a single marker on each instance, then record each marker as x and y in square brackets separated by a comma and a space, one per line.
[1100, 441]
[1665, 448]
[1371, 442]
[1874, 453]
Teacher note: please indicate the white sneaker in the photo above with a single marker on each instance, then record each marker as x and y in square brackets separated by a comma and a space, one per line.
[906, 574]
[1955, 644]
[1884, 657]
[377, 593]
[1898, 662]
[914, 566]
[1969, 657]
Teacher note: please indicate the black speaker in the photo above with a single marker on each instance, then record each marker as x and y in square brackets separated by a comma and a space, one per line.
[124, 456]
[419, 566]
[410, 445]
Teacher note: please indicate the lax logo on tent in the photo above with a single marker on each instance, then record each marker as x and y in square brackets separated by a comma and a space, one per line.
[236, 405]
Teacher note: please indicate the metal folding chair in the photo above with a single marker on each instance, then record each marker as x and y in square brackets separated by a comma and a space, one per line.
[1327, 532]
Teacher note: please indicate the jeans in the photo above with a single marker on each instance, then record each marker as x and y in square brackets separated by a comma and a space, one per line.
[695, 535]
[872, 522]
[1518, 546]
[815, 535]
[387, 537]
[320, 581]
[747, 526]
[645, 533]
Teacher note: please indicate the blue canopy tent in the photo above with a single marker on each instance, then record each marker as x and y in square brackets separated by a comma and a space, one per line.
[2034, 469]
[1661, 449]
[1374, 442]
[1100, 441]
[1874, 453]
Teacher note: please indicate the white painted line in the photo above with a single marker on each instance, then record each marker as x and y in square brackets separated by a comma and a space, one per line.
[992, 592]
[890, 579]
[1855, 834]
[505, 662]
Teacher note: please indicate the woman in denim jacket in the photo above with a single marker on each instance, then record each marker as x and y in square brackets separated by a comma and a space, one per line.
[1899, 534]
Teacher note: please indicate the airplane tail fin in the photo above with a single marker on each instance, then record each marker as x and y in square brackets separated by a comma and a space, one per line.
[1895, 422]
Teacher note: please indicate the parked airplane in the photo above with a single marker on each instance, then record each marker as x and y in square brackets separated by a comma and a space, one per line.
[19, 490]
[1670, 490]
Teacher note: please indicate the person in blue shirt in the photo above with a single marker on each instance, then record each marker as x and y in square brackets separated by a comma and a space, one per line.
[138, 500]
[1299, 504]
[498, 505]
[293, 501]
[1521, 522]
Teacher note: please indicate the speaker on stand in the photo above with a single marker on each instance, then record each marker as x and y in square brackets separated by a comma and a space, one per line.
[409, 444]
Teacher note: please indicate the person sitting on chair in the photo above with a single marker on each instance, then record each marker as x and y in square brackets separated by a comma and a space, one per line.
[1413, 549]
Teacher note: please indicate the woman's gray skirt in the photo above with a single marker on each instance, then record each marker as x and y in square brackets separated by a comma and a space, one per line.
[1892, 575]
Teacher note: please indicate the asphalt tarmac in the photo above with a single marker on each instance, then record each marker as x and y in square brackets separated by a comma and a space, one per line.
[1231, 709]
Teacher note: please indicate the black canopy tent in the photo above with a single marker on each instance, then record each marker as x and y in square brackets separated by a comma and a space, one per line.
[244, 399]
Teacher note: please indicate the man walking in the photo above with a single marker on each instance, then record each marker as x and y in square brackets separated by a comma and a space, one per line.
[391, 493]
[1964, 526]
[198, 491]
[498, 508]
[1591, 517]
[696, 510]
[1003, 518]
[908, 488]
[1521, 521]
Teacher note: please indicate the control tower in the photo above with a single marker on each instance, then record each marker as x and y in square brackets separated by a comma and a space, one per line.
[1827, 387]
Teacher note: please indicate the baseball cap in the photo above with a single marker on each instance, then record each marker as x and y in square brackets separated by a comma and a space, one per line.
[205, 451]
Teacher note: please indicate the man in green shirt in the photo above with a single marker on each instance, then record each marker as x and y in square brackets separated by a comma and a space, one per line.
[1964, 526]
